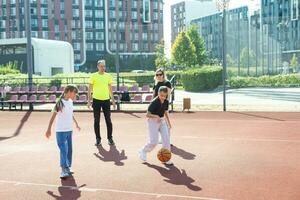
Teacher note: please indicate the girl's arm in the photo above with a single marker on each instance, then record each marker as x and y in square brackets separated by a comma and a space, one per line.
[48, 133]
[168, 119]
[152, 116]
[76, 123]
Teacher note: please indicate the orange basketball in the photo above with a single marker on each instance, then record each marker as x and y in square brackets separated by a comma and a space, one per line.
[164, 155]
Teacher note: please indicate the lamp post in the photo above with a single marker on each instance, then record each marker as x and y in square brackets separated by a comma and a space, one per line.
[29, 47]
[222, 5]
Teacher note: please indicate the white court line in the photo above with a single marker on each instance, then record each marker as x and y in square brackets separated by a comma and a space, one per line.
[85, 189]
[235, 139]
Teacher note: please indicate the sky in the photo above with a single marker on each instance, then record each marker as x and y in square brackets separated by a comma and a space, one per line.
[167, 16]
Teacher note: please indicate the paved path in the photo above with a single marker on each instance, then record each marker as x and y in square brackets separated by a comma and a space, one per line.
[278, 99]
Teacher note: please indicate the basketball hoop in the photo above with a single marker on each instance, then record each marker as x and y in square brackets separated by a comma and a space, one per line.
[222, 4]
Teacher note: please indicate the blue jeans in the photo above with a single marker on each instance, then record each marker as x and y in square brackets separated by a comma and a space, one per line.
[64, 142]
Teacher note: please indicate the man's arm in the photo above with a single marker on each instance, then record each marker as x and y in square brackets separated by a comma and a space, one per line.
[90, 95]
[111, 94]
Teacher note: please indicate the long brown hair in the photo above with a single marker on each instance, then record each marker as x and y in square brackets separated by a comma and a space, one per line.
[60, 104]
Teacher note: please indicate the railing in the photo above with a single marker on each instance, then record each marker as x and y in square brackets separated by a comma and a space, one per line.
[58, 81]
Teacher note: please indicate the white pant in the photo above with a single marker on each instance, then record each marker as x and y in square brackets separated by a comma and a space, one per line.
[154, 129]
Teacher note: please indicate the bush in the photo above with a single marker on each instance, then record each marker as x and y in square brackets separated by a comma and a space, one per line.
[201, 79]
[8, 70]
[292, 80]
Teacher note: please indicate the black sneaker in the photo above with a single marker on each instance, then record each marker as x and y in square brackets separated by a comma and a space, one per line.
[111, 142]
[98, 142]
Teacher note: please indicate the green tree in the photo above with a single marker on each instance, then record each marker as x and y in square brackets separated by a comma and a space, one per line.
[244, 58]
[294, 61]
[160, 57]
[183, 51]
[199, 44]
[230, 61]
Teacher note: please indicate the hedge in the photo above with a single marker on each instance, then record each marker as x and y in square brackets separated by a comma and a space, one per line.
[8, 70]
[292, 80]
[201, 79]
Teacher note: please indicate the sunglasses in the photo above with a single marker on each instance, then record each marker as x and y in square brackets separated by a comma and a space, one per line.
[159, 74]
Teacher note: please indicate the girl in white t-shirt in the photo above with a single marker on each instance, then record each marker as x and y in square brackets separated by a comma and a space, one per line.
[64, 111]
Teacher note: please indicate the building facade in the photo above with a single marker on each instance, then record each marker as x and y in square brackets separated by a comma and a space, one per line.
[237, 33]
[91, 31]
[184, 12]
[280, 32]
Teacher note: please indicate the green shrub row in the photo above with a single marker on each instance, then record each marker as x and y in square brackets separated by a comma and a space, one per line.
[8, 70]
[201, 79]
[292, 80]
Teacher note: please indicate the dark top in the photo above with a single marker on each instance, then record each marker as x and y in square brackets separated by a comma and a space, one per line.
[158, 108]
[159, 84]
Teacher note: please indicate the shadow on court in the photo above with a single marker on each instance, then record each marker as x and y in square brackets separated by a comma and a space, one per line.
[175, 176]
[259, 116]
[20, 126]
[67, 190]
[113, 155]
[182, 153]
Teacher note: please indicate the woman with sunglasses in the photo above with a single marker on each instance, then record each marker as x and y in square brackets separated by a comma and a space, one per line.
[161, 80]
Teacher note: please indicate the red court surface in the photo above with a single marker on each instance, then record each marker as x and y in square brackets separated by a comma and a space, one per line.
[232, 156]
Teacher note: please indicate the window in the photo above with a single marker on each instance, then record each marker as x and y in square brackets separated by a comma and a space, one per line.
[34, 34]
[75, 2]
[112, 3]
[99, 14]
[135, 47]
[88, 3]
[99, 3]
[73, 35]
[76, 12]
[99, 36]
[112, 14]
[99, 24]
[99, 46]
[134, 4]
[34, 22]
[89, 35]
[76, 46]
[45, 34]
[146, 11]
[89, 46]
[44, 23]
[88, 24]
[134, 15]
[77, 57]
[294, 9]
[88, 13]
[44, 11]
[13, 11]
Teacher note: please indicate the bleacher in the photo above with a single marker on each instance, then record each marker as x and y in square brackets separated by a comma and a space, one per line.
[19, 96]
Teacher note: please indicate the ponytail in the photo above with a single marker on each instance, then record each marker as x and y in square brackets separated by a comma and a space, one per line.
[60, 104]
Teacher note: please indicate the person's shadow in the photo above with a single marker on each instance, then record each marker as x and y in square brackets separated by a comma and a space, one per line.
[113, 155]
[175, 176]
[68, 190]
[182, 153]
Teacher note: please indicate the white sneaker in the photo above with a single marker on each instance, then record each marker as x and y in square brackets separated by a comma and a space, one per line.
[64, 174]
[142, 155]
[170, 163]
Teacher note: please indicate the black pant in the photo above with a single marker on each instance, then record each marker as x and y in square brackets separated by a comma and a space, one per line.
[105, 105]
